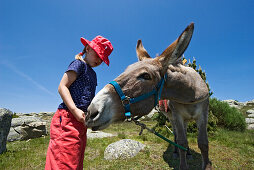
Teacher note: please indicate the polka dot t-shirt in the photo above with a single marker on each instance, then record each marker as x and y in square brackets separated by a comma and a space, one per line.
[83, 88]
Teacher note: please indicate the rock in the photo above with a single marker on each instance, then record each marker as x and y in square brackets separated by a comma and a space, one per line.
[33, 130]
[26, 127]
[149, 116]
[249, 120]
[122, 149]
[5, 124]
[46, 113]
[97, 134]
[14, 134]
[251, 111]
[250, 127]
[250, 103]
[234, 103]
[25, 114]
[231, 102]
[242, 104]
[24, 120]
[251, 115]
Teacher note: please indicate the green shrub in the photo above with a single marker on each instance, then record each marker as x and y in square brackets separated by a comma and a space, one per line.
[212, 122]
[228, 117]
[160, 118]
[191, 128]
[211, 125]
[161, 129]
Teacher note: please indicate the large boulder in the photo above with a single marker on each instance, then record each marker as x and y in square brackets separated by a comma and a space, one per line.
[249, 120]
[234, 103]
[251, 111]
[26, 127]
[122, 149]
[40, 114]
[14, 134]
[33, 130]
[250, 103]
[24, 120]
[250, 127]
[5, 124]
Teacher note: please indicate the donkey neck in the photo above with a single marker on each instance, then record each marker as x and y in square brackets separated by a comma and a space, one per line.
[184, 85]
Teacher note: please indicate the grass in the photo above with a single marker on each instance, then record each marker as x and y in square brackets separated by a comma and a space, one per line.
[228, 150]
[29, 154]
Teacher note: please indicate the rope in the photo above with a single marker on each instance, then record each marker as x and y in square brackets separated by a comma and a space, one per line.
[143, 126]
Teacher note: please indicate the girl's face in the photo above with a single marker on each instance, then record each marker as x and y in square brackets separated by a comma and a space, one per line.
[92, 58]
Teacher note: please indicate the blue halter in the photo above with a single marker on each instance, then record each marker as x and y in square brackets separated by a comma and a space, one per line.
[126, 100]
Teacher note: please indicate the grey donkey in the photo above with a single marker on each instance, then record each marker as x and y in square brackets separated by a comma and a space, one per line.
[187, 92]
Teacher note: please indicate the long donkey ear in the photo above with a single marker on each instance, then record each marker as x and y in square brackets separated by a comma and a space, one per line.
[141, 51]
[177, 48]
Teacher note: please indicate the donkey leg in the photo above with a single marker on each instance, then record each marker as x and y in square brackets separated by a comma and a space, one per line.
[181, 140]
[168, 114]
[175, 152]
[203, 139]
[188, 155]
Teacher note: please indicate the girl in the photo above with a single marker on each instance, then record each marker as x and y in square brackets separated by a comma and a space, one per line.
[77, 89]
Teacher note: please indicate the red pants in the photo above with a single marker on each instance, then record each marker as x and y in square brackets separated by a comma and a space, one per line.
[67, 142]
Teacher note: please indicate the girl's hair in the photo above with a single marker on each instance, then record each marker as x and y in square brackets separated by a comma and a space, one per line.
[79, 56]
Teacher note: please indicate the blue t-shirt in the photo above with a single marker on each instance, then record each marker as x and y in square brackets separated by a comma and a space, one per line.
[83, 88]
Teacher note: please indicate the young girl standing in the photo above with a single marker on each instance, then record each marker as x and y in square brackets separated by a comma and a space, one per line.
[77, 89]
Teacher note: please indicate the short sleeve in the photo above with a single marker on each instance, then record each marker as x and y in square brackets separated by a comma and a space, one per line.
[78, 66]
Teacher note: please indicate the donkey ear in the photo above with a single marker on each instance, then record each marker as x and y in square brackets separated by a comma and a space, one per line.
[141, 51]
[177, 48]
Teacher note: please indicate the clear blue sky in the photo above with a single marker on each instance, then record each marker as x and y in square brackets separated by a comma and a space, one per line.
[39, 38]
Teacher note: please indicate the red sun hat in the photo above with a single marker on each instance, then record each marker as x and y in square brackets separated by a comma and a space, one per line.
[101, 46]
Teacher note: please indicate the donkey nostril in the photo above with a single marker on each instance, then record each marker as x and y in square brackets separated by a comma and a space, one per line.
[93, 115]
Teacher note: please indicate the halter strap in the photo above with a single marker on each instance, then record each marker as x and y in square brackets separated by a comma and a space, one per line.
[126, 101]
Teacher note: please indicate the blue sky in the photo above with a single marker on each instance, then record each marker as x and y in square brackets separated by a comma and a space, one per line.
[39, 38]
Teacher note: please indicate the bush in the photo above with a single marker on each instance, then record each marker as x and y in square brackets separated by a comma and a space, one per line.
[160, 118]
[212, 122]
[191, 128]
[161, 129]
[211, 125]
[228, 117]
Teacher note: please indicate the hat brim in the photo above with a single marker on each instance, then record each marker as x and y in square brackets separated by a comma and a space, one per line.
[86, 42]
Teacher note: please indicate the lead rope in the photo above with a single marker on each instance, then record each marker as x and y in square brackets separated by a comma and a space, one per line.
[143, 126]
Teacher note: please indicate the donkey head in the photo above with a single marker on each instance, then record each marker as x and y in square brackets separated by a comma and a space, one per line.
[138, 79]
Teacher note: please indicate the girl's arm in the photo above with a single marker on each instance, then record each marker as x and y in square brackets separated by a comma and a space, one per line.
[63, 89]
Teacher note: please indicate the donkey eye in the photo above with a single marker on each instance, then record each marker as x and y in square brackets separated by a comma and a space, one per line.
[144, 76]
